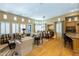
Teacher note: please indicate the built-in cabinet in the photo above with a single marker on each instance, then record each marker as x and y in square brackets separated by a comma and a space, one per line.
[72, 24]
[76, 45]
[72, 28]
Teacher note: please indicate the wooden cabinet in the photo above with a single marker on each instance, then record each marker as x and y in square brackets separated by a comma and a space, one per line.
[75, 39]
[72, 24]
[77, 27]
[76, 45]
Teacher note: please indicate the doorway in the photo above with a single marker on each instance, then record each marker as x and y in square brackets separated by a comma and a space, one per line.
[59, 29]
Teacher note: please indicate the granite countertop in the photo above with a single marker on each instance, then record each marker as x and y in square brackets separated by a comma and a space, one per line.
[73, 35]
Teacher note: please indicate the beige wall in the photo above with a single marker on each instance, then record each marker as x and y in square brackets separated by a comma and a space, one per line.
[62, 17]
[54, 19]
[10, 19]
[19, 21]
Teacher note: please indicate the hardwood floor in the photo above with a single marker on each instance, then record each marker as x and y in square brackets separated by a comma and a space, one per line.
[52, 47]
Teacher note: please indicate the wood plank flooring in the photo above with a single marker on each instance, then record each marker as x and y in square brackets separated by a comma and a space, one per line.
[52, 47]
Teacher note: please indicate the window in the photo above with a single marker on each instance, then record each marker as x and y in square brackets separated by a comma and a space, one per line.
[40, 22]
[15, 28]
[7, 25]
[28, 29]
[2, 28]
[21, 27]
[39, 27]
[5, 28]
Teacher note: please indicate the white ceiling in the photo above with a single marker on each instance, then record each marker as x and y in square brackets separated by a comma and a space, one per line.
[38, 10]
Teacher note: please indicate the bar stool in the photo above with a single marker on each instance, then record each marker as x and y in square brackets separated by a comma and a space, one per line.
[68, 40]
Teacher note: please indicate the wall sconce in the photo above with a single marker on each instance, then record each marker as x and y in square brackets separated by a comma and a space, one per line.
[4, 16]
[15, 18]
[22, 19]
[28, 20]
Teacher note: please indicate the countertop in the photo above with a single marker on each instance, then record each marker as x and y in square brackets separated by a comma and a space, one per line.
[73, 35]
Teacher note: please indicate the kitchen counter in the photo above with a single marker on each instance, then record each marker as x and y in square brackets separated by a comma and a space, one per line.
[75, 38]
